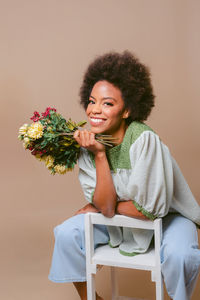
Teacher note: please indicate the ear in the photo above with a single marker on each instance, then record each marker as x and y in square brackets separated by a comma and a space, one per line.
[126, 114]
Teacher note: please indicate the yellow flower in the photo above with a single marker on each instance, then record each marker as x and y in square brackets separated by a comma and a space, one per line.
[23, 130]
[60, 169]
[40, 158]
[49, 160]
[35, 131]
[69, 169]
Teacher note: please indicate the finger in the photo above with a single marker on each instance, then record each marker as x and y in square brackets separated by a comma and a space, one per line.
[84, 136]
[92, 138]
[77, 136]
[87, 138]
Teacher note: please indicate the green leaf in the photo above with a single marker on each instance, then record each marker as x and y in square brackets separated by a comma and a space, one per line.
[82, 123]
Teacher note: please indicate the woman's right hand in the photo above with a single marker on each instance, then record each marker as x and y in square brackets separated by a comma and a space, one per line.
[87, 140]
[87, 208]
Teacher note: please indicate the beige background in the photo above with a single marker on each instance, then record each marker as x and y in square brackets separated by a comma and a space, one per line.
[45, 47]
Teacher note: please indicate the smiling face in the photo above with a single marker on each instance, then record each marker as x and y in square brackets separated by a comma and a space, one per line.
[106, 111]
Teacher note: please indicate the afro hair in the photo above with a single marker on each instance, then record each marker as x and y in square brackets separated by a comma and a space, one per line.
[127, 73]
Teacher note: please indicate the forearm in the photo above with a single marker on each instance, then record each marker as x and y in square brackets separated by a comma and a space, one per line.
[105, 197]
[127, 208]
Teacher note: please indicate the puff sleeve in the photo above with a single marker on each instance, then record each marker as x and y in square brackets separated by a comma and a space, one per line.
[150, 183]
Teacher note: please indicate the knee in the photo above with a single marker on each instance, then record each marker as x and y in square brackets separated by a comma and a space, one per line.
[178, 257]
[67, 235]
[181, 259]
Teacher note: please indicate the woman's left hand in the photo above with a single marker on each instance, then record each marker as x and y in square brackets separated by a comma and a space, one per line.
[87, 208]
[127, 208]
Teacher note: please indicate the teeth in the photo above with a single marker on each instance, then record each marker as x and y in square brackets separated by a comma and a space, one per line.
[96, 120]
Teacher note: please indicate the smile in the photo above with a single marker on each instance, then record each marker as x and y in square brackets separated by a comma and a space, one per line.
[96, 121]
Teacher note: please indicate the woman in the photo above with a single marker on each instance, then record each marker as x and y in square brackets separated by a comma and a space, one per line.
[138, 178]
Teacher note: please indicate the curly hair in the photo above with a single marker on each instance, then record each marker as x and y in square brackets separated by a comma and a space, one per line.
[127, 73]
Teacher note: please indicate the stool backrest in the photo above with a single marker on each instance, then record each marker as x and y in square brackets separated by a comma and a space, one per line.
[104, 255]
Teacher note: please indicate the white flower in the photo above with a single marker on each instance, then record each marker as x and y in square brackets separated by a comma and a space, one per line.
[26, 142]
[23, 130]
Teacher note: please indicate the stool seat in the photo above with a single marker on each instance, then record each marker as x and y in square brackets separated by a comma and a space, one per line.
[107, 256]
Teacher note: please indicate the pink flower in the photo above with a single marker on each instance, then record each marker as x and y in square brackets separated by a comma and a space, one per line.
[36, 116]
[47, 112]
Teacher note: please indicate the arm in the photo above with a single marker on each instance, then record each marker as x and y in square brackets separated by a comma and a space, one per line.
[104, 198]
[128, 209]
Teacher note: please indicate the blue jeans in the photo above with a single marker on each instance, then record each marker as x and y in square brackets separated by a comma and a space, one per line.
[180, 255]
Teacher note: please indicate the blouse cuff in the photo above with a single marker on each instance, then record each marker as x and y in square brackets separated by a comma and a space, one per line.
[144, 211]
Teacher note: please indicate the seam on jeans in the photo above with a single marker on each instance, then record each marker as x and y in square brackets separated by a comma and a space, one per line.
[67, 280]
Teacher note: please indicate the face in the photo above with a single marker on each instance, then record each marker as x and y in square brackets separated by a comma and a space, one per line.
[106, 111]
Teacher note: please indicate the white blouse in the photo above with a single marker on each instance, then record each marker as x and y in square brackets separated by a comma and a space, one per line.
[143, 171]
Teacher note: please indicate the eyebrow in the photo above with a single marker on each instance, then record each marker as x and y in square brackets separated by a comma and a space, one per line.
[104, 98]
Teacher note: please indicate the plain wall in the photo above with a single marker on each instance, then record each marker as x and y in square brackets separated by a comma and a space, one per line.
[45, 47]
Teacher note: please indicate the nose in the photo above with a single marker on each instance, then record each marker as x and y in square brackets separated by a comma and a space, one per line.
[96, 108]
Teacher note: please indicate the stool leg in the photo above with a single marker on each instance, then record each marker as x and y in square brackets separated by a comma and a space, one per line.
[91, 291]
[114, 284]
[159, 288]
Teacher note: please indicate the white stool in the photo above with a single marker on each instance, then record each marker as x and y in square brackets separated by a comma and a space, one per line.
[105, 255]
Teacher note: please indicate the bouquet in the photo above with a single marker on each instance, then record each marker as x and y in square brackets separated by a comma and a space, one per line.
[50, 139]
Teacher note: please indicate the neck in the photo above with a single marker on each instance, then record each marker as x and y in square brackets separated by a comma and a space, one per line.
[120, 135]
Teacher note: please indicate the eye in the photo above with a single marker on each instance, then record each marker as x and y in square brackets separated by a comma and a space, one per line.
[91, 101]
[108, 103]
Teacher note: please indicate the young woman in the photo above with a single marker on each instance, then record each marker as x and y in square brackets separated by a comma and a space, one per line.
[138, 178]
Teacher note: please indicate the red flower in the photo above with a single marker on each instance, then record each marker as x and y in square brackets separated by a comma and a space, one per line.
[37, 151]
[47, 112]
[34, 152]
[36, 116]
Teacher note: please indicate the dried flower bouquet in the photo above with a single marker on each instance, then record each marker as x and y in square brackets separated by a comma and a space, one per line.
[50, 139]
